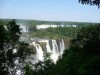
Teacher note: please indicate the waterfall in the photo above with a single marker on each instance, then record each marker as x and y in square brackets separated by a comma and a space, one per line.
[62, 46]
[39, 52]
[48, 46]
[55, 48]
[24, 27]
[55, 54]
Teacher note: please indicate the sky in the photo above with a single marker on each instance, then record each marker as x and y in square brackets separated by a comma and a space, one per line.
[49, 10]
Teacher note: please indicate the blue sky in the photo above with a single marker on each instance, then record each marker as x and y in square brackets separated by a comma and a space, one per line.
[51, 10]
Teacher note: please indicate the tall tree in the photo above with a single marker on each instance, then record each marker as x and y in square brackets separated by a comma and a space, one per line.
[82, 58]
[10, 46]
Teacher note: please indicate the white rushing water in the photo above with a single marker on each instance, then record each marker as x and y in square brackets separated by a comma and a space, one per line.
[55, 53]
[44, 26]
[56, 49]
[62, 46]
[25, 28]
[48, 46]
[39, 52]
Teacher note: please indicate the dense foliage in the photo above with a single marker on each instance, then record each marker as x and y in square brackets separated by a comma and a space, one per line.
[10, 47]
[91, 2]
[59, 32]
[82, 58]
[44, 67]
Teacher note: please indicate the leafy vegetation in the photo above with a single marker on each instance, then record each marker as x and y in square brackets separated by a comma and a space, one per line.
[11, 48]
[59, 32]
[44, 67]
[82, 58]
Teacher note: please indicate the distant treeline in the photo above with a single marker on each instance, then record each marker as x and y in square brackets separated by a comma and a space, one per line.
[58, 32]
[39, 22]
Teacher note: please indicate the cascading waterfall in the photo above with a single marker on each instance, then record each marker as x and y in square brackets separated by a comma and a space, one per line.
[56, 50]
[39, 51]
[24, 27]
[48, 46]
[48, 49]
[55, 54]
[62, 46]
[52, 46]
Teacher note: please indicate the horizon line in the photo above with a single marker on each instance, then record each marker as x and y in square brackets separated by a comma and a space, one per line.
[50, 20]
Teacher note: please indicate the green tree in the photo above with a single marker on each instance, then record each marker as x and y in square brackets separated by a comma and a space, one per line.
[28, 70]
[44, 67]
[10, 46]
[82, 58]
